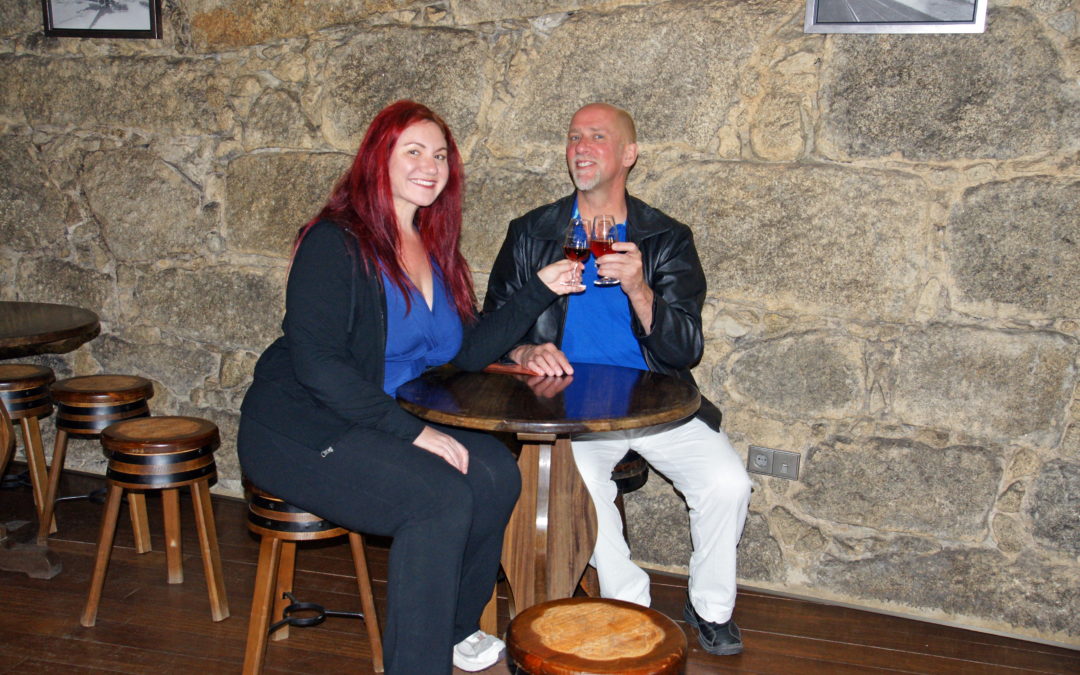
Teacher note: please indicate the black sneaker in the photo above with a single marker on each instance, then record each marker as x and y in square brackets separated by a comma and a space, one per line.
[722, 639]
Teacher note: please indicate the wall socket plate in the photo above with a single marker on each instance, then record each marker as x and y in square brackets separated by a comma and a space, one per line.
[772, 462]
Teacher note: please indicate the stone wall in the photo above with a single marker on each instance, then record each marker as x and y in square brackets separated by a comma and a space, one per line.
[889, 224]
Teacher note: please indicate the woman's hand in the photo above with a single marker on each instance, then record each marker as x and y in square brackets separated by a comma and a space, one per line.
[545, 359]
[447, 447]
[558, 277]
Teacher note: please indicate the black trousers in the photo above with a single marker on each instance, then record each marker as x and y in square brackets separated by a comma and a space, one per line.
[447, 527]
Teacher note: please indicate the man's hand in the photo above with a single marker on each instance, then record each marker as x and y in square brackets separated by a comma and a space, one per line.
[447, 447]
[548, 387]
[625, 265]
[546, 359]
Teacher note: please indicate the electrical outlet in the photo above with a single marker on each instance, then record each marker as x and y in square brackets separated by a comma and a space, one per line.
[759, 460]
[770, 462]
[785, 464]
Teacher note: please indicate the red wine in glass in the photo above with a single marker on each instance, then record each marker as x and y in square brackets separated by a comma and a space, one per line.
[576, 245]
[599, 248]
[577, 254]
[604, 234]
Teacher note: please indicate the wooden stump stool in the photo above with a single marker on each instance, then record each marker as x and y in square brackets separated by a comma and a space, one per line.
[24, 391]
[162, 453]
[281, 525]
[85, 406]
[593, 635]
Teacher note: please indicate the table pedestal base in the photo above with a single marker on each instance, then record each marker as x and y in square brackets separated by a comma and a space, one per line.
[552, 530]
[19, 551]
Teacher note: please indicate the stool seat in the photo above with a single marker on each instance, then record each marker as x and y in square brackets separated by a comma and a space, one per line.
[162, 453]
[86, 405]
[89, 403]
[281, 525]
[24, 392]
[595, 635]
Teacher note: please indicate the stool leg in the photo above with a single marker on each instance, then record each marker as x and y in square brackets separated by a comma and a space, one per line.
[58, 456]
[489, 618]
[367, 599]
[7, 438]
[140, 523]
[259, 622]
[170, 503]
[286, 572]
[215, 578]
[104, 549]
[35, 460]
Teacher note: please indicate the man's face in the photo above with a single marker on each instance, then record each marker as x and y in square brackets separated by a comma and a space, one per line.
[597, 153]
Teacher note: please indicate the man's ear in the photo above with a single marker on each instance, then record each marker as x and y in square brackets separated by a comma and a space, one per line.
[629, 154]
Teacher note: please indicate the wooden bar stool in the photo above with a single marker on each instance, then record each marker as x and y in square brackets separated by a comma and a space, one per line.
[85, 406]
[24, 391]
[162, 453]
[281, 525]
[594, 635]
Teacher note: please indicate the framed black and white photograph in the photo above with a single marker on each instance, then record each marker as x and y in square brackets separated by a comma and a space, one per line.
[895, 16]
[102, 18]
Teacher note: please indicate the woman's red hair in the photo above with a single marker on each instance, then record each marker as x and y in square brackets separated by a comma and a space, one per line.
[363, 202]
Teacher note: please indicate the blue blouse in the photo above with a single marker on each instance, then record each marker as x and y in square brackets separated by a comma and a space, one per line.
[421, 338]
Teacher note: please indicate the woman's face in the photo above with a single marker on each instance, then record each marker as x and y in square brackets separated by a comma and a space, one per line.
[419, 167]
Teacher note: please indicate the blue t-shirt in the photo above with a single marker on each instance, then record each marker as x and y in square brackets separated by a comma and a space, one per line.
[597, 328]
[423, 337]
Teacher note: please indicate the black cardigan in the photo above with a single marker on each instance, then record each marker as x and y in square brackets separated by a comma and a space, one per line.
[325, 373]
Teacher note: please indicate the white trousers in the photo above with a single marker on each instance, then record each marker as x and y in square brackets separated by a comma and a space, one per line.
[708, 472]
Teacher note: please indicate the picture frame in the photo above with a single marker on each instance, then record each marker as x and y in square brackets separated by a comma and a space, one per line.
[102, 18]
[895, 16]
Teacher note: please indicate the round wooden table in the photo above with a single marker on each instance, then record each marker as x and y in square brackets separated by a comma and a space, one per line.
[552, 530]
[28, 328]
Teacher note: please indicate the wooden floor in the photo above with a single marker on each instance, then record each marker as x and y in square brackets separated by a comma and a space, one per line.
[147, 626]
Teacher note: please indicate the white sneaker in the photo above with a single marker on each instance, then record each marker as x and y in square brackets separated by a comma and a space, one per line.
[478, 651]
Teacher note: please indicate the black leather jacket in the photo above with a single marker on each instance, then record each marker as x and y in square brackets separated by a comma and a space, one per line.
[671, 268]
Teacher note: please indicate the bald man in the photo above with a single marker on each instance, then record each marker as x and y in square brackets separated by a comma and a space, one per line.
[651, 320]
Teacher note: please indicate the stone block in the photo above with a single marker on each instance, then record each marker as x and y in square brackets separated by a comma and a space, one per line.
[224, 305]
[376, 67]
[1054, 507]
[165, 95]
[1018, 243]
[228, 24]
[33, 213]
[899, 485]
[1000, 95]
[995, 384]
[759, 556]
[813, 374]
[54, 280]
[493, 197]
[270, 196]
[812, 239]
[19, 17]
[276, 120]
[175, 364]
[1030, 591]
[657, 524]
[467, 12]
[674, 66]
[128, 190]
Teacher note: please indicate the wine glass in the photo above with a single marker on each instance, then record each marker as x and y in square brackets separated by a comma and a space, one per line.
[576, 245]
[604, 234]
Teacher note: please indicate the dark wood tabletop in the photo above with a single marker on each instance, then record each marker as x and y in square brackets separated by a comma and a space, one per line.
[28, 328]
[594, 398]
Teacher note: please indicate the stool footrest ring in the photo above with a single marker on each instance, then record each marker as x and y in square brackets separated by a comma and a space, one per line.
[320, 614]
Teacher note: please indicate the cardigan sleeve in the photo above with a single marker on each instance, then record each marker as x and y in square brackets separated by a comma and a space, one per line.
[318, 303]
[497, 331]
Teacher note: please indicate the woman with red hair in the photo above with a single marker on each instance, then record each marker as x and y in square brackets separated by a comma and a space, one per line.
[378, 291]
